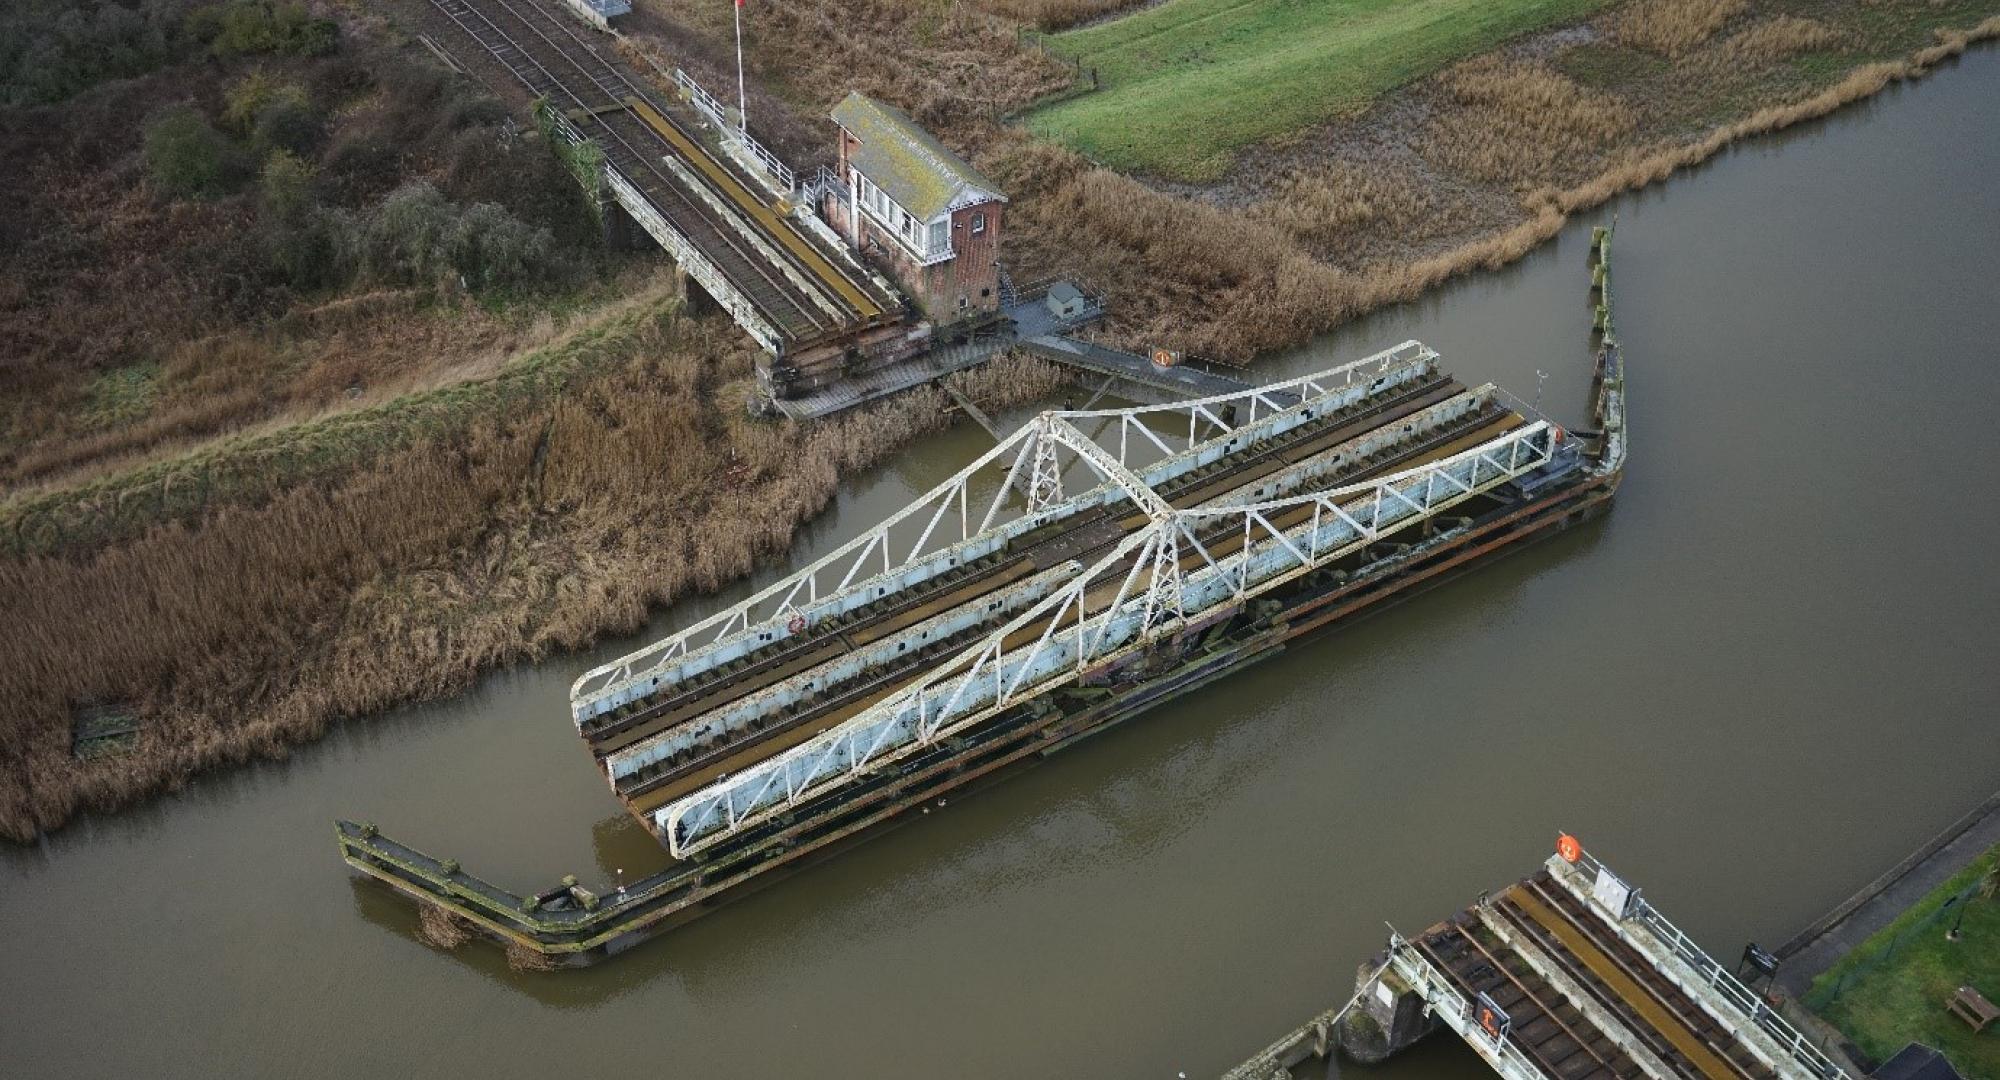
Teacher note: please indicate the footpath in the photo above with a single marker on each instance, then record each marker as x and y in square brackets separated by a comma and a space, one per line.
[1831, 936]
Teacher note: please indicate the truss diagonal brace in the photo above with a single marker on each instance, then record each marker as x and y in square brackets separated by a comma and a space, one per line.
[1057, 430]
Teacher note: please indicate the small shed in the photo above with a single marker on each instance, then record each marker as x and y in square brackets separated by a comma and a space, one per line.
[1066, 301]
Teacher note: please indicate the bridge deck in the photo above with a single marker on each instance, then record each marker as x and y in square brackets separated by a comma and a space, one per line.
[621, 727]
[1582, 1002]
[677, 736]
[1135, 370]
[806, 294]
[1571, 974]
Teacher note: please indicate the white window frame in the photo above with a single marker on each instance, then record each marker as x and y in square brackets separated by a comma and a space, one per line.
[910, 232]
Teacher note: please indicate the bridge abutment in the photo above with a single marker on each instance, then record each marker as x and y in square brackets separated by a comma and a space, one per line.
[1387, 1017]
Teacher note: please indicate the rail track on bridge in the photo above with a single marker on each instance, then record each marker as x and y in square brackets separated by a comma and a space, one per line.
[804, 294]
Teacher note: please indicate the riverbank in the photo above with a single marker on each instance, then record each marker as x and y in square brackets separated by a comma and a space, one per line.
[1892, 989]
[448, 556]
[1843, 929]
[225, 606]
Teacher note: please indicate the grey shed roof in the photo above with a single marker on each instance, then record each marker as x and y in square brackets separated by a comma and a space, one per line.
[908, 162]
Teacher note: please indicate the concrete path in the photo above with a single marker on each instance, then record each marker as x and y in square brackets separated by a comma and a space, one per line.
[1834, 934]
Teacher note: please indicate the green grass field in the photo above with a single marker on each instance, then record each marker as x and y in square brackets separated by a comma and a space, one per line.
[1883, 999]
[1189, 83]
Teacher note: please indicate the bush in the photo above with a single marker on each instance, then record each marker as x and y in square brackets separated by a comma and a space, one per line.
[288, 122]
[408, 237]
[49, 52]
[417, 236]
[187, 158]
[491, 247]
[285, 188]
[244, 27]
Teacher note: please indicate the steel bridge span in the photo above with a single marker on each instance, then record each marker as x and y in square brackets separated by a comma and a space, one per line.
[785, 279]
[1082, 549]
[1090, 566]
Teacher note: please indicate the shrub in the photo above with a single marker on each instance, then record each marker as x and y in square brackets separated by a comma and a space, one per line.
[288, 122]
[186, 157]
[49, 52]
[417, 236]
[408, 236]
[491, 247]
[244, 27]
[246, 96]
[284, 188]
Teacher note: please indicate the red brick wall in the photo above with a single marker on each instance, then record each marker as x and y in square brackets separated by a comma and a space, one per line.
[973, 272]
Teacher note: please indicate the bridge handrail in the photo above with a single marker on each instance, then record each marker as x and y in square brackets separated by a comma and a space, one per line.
[1722, 980]
[1456, 1011]
[802, 585]
[953, 695]
[712, 106]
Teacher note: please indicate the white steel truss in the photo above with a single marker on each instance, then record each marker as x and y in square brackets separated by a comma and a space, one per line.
[976, 513]
[1185, 569]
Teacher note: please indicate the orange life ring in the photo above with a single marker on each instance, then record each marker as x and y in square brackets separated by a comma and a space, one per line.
[798, 624]
[1557, 429]
[1569, 847]
[1489, 1022]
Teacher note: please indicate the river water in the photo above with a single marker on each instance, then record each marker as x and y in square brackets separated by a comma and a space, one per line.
[1758, 682]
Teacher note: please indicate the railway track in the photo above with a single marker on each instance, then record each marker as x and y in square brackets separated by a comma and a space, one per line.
[548, 55]
[1054, 544]
[697, 764]
[1490, 956]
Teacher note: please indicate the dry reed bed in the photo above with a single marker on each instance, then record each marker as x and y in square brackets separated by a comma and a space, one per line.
[1672, 27]
[1233, 280]
[249, 629]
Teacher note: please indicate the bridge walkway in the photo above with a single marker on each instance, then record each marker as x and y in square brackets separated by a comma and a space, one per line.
[834, 700]
[1177, 381]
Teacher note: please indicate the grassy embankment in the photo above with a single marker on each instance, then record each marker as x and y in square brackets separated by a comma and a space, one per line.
[1891, 990]
[1186, 85]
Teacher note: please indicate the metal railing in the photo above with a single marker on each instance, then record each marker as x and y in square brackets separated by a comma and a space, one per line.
[1161, 579]
[712, 107]
[870, 565]
[1456, 1012]
[1721, 979]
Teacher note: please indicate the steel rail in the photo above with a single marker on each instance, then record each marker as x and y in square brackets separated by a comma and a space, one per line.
[831, 283]
[761, 619]
[724, 230]
[980, 683]
[773, 300]
[1266, 460]
[790, 656]
[644, 767]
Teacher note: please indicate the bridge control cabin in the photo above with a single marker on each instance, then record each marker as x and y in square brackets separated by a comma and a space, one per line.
[918, 210]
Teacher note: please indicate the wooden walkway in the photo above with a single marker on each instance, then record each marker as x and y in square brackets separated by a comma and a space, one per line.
[1135, 372]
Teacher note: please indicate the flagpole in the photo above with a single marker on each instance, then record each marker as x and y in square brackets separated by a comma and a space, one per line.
[742, 99]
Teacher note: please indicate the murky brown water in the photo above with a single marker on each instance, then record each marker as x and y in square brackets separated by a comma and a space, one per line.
[1757, 683]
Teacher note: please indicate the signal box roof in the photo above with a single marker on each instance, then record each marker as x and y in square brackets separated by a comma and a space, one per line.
[907, 162]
